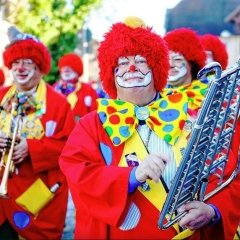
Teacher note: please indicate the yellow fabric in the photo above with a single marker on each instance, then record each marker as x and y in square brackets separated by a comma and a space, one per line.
[72, 97]
[237, 234]
[35, 198]
[120, 119]
[33, 127]
[135, 144]
[184, 234]
[181, 144]
[157, 194]
[195, 92]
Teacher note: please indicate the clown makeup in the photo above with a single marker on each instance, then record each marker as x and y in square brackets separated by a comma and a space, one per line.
[133, 71]
[26, 74]
[67, 73]
[178, 67]
[209, 57]
[23, 70]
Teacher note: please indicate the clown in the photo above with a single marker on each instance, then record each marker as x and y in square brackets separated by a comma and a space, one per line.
[47, 120]
[2, 78]
[215, 50]
[120, 160]
[186, 58]
[81, 96]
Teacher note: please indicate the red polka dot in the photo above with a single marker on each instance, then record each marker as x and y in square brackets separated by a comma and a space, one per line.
[156, 122]
[129, 120]
[191, 94]
[114, 119]
[151, 125]
[181, 124]
[111, 110]
[175, 98]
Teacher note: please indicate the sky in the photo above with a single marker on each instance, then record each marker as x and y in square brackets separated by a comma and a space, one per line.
[152, 12]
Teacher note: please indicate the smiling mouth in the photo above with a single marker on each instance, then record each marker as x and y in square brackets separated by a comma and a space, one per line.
[172, 72]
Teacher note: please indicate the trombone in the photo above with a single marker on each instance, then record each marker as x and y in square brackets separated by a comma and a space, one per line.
[9, 165]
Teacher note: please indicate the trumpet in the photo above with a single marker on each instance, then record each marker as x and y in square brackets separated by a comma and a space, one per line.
[8, 164]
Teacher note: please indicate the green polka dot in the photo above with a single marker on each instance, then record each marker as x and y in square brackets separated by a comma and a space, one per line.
[167, 138]
[118, 102]
[190, 100]
[109, 131]
[203, 91]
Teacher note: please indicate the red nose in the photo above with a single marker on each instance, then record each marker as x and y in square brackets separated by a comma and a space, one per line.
[20, 70]
[132, 68]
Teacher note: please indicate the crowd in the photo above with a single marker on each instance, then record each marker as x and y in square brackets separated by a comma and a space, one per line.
[78, 165]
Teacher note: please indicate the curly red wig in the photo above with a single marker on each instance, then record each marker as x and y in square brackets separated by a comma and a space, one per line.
[2, 77]
[28, 48]
[186, 42]
[71, 60]
[123, 40]
[216, 46]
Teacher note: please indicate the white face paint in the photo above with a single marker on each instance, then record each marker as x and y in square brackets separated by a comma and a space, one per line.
[23, 70]
[133, 71]
[209, 57]
[67, 73]
[130, 80]
[178, 67]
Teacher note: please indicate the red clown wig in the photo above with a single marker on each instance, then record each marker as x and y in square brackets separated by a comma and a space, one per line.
[216, 46]
[186, 42]
[71, 60]
[26, 46]
[2, 77]
[129, 39]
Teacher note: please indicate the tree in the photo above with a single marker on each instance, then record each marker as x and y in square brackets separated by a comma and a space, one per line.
[54, 22]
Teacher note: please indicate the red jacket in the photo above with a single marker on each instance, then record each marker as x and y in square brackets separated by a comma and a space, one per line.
[86, 101]
[99, 189]
[42, 163]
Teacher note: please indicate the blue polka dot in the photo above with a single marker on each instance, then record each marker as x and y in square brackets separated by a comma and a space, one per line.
[103, 117]
[176, 139]
[107, 153]
[123, 111]
[169, 115]
[104, 102]
[204, 80]
[124, 131]
[116, 140]
[163, 104]
[169, 93]
[185, 107]
[21, 219]
[196, 87]
[168, 128]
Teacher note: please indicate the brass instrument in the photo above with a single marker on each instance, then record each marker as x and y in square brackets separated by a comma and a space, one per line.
[209, 145]
[9, 165]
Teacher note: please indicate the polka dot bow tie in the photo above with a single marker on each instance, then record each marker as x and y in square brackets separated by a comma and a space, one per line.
[195, 91]
[120, 119]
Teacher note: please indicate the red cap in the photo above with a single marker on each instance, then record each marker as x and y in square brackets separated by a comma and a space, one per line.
[24, 46]
[216, 46]
[186, 42]
[129, 39]
[2, 77]
[71, 60]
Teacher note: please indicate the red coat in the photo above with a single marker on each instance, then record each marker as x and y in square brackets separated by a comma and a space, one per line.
[84, 94]
[42, 163]
[236, 139]
[100, 191]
